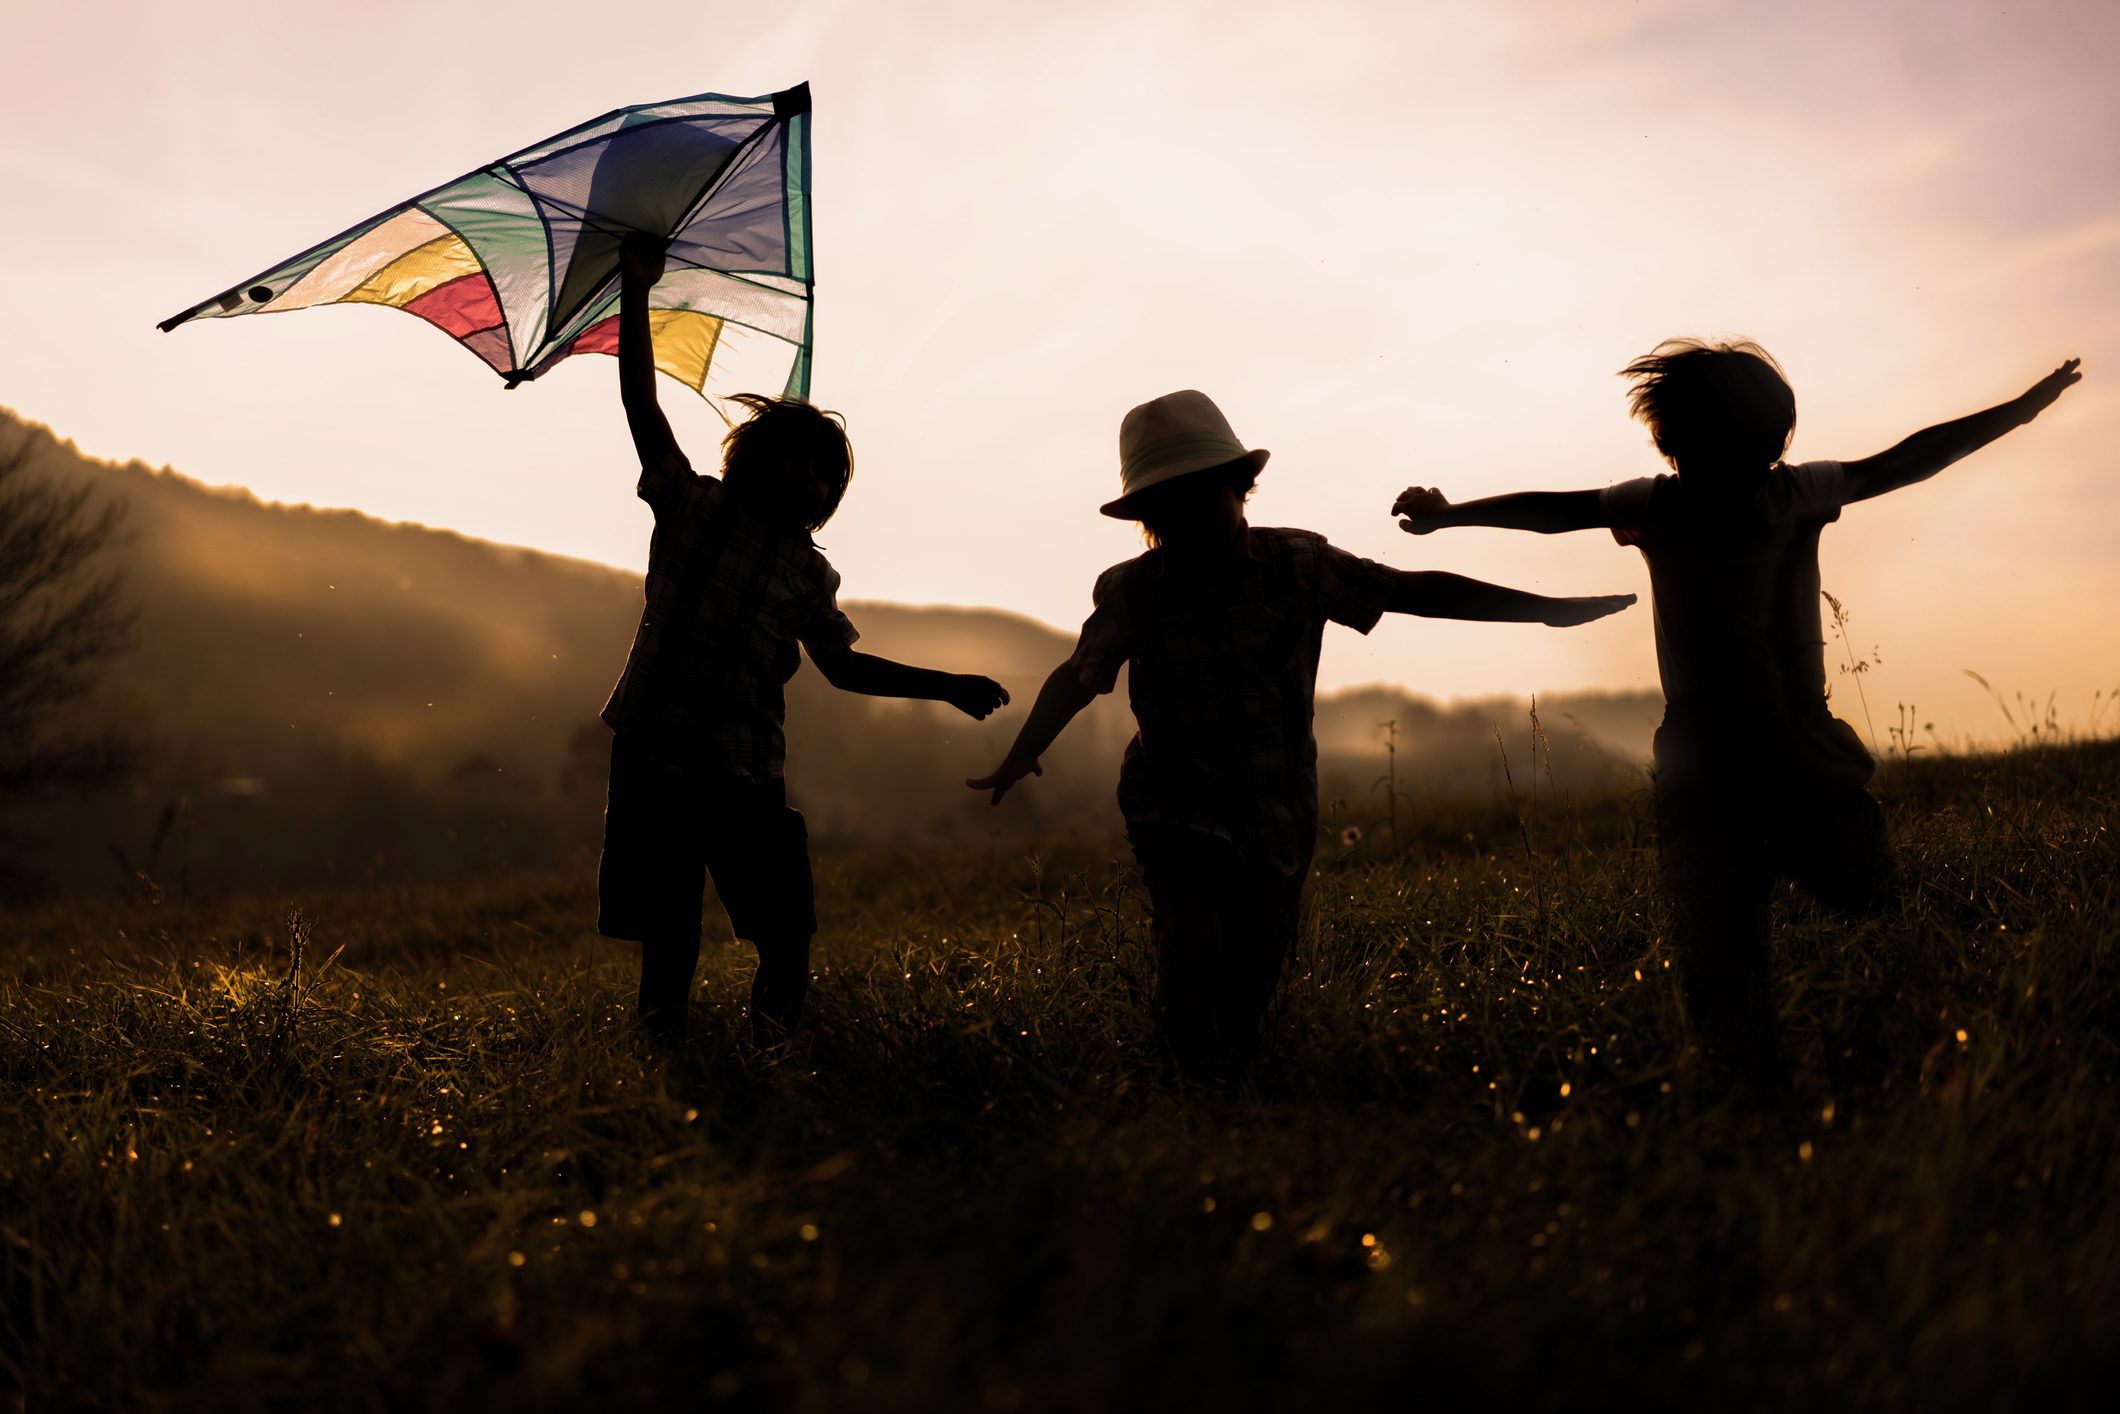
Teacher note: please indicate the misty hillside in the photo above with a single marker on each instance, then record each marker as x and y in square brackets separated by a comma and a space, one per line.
[264, 629]
[322, 695]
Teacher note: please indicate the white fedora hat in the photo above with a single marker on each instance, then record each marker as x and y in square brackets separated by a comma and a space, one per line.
[1173, 436]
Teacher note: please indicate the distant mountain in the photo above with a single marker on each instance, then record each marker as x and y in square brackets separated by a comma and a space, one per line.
[326, 696]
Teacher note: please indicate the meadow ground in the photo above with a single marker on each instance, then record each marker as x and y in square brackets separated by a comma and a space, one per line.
[430, 1168]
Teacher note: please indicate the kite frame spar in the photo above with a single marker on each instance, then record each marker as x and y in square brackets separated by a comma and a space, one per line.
[725, 296]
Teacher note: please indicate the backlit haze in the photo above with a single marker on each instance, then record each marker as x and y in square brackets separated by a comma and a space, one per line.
[1398, 243]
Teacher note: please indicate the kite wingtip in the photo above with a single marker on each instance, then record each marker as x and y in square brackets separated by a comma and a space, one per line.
[175, 319]
[790, 101]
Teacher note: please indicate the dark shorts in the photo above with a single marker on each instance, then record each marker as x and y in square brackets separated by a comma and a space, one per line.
[1191, 873]
[1730, 825]
[1223, 925]
[666, 830]
[1828, 837]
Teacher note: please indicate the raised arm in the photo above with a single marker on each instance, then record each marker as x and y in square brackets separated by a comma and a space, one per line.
[1422, 509]
[640, 264]
[871, 676]
[1435, 594]
[1061, 699]
[1932, 449]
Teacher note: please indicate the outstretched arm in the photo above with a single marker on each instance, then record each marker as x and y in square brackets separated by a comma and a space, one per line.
[640, 264]
[1059, 701]
[1422, 509]
[1435, 594]
[871, 676]
[1932, 449]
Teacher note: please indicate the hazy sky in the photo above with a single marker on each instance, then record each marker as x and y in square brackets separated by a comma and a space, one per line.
[1397, 242]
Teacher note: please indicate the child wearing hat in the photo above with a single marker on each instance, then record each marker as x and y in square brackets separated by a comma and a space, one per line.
[734, 584]
[1755, 777]
[1220, 623]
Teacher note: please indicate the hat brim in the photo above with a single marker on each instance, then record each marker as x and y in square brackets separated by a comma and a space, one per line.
[1125, 508]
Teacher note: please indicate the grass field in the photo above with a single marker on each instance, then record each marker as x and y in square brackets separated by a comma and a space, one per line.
[429, 1168]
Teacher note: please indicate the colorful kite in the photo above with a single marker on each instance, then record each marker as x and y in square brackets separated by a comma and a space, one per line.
[518, 261]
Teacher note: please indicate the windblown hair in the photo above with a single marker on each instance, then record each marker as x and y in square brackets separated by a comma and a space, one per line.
[1241, 476]
[1718, 404]
[781, 434]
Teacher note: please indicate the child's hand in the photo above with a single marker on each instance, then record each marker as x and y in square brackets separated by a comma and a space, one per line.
[1421, 509]
[2041, 395]
[641, 258]
[1004, 776]
[1567, 613]
[976, 697]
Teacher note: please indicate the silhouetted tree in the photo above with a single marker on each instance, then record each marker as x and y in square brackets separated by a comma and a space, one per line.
[60, 620]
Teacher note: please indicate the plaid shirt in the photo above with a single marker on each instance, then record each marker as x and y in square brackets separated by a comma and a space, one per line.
[728, 600]
[1223, 683]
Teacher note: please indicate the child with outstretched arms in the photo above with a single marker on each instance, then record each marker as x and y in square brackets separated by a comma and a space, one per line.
[1220, 624]
[1755, 777]
[734, 584]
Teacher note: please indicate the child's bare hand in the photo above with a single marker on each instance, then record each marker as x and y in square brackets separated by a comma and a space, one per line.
[2041, 395]
[1003, 776]
[1567, 613]
[976, 696]
[641, 258]
[1421, 509]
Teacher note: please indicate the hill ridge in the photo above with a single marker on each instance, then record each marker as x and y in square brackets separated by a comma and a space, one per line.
[443, 691]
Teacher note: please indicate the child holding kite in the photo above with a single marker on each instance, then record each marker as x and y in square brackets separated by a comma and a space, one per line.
[734, 584]
[1221, 624]
[1755, 777]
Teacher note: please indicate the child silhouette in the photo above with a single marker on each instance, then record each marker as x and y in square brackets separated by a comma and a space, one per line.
[734, 584]
[1221, 623]
[1755, 777]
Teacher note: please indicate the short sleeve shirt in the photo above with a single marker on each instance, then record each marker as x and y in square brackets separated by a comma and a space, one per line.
[1736, 589]
[1223, 680]
[728, 599]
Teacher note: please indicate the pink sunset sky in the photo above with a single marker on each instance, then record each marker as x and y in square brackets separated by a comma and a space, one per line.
[1397, 242]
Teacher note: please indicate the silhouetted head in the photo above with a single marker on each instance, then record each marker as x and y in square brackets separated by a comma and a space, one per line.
[1182, 472]
[788, 462]
[1713, 408]
[1200, 508]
